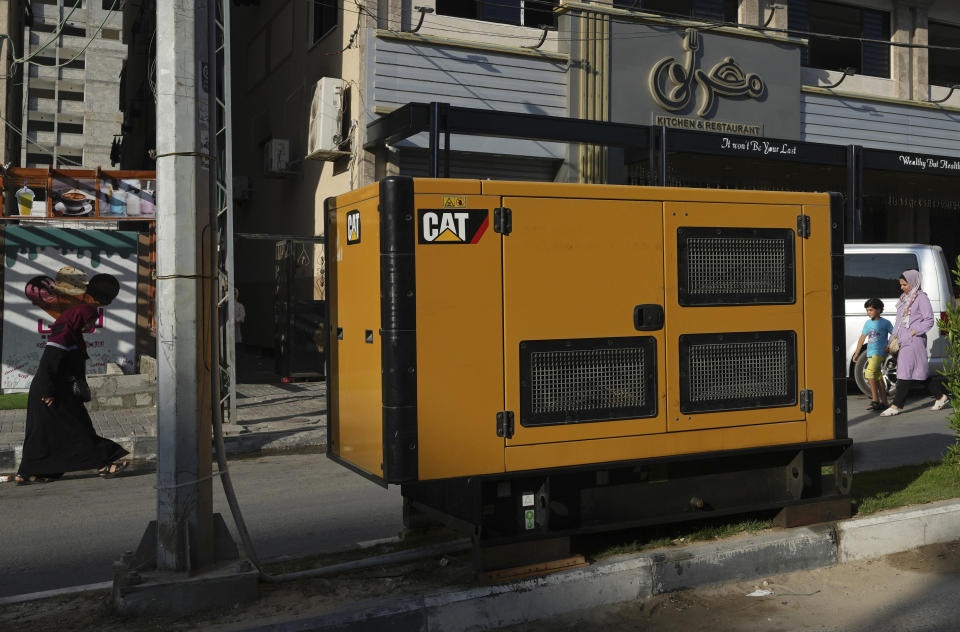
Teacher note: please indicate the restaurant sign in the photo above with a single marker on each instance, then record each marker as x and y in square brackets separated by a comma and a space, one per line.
[905, 161]
[925, 162]
[671, 82]
[706, 80]
[702, 125]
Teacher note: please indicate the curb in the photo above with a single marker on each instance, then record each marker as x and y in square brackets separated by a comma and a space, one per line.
[144, 449]
[57, 592]
[645, 575]
[9, 458]
[876, 536]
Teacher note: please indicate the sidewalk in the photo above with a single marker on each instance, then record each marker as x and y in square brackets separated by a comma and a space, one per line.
[271, 418]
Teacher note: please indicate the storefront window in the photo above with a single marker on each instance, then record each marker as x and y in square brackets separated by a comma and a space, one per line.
[944, 64]
[722, 172]
[535, 13]
[913, 208]
[852, 23]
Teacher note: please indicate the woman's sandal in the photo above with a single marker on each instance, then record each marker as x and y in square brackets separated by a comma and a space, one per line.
[940, 404]
[113, 469]
[875, 405]
[29, 480]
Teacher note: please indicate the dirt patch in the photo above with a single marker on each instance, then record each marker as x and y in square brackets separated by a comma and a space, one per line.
[900, 592]
[91, 612]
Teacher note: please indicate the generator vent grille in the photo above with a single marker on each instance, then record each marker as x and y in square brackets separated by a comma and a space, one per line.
[584, 380]
[737, 371]
[731, 266]
[721, 265]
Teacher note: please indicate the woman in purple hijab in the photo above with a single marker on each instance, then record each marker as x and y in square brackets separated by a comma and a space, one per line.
[914, 320]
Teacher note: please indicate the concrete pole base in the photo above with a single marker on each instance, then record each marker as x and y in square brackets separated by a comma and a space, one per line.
[139, 588]
[168, 593]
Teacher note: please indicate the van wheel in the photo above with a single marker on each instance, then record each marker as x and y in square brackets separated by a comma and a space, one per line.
[858, 376]
[888, 374]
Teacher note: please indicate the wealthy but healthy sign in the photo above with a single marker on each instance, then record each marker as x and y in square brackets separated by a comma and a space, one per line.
[49, 269]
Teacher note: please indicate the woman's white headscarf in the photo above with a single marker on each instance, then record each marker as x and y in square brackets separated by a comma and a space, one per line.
[913, 279]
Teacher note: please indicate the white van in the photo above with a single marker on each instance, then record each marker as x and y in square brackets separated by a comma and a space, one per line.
[873, 270]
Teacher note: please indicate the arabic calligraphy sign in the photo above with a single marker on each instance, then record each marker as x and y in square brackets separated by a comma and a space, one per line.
[671, 83]
[704, 80]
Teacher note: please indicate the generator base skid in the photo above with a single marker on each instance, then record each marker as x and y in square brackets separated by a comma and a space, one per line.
[528, 517]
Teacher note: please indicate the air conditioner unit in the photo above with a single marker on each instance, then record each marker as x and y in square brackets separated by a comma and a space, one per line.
[326, 110]
[276, 156]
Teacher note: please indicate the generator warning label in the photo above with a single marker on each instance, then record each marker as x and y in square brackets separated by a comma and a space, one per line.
[441, 226]
[454, 201]
[353, 227]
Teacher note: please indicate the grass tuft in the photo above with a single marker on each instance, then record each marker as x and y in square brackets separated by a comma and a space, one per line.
[903, 486]
[13, 401]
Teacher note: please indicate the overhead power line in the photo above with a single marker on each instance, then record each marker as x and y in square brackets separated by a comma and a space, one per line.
[44, 149]
[639, 15]
[28, 59]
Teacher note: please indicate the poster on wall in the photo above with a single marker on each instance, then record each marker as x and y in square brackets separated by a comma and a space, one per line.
[25, 196]
[48, 270]
[73, 194]
[127, 197]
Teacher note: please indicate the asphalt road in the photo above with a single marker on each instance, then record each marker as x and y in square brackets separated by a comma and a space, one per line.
[68, 533]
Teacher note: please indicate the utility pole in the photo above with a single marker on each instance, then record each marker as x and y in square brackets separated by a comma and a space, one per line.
[185, 289]
[187, 540]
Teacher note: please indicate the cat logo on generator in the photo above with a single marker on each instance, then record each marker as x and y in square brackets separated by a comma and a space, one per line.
[353, 227]
[441, 226]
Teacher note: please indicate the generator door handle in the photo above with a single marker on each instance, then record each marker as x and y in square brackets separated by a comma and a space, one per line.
[648, 317]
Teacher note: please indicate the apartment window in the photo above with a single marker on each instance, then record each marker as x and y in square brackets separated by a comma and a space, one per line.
[39, 160]
[533, 13]
[852, 24]
[43, 27]
[712, 10]
[323, 18]
[944, 64]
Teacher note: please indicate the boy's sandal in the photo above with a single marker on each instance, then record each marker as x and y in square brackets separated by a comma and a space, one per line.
[113, 469]
[29, 480]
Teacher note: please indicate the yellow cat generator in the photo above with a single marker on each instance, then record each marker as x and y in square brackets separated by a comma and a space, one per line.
[531, 361]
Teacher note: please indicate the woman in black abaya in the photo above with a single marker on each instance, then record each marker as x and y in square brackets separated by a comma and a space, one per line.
[60, 436]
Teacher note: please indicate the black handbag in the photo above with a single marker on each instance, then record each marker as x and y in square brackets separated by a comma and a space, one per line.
[80, 388]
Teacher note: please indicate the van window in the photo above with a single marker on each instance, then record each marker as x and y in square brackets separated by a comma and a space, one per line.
[870, 275]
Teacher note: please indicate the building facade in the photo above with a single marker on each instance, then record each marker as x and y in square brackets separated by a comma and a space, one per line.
[70, 82]
[854, 96]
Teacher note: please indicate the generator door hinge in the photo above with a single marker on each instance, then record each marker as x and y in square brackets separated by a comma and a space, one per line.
[803, 226]
[505, 424]
[806, 400]
[502, 220]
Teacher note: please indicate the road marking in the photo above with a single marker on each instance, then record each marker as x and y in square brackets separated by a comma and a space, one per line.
[366, 544]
